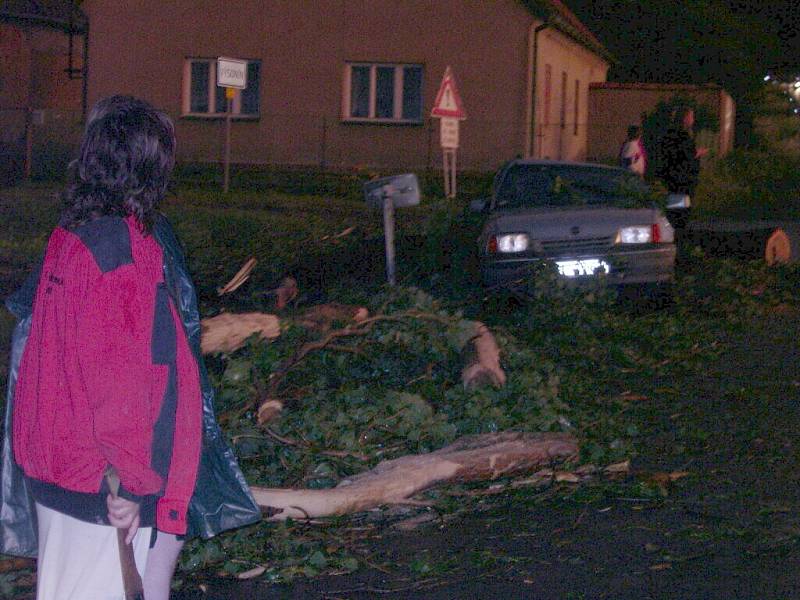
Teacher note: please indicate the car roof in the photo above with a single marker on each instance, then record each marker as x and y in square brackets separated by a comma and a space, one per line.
[560, 163]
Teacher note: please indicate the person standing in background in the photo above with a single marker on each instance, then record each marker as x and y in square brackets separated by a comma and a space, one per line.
[632, 155]
[680, 166]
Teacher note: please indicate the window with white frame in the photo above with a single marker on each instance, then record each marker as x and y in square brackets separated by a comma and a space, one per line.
[383, 92]
[203, 98]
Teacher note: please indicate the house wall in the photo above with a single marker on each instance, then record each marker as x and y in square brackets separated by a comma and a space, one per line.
[40, 106]
[15, 61]
[33, 62]
[139, 47]
[613, 107]
[561, 114]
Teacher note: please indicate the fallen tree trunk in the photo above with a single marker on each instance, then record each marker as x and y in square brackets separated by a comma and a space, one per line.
[471, 458]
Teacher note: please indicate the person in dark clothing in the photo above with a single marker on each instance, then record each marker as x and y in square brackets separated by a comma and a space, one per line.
[680, 166]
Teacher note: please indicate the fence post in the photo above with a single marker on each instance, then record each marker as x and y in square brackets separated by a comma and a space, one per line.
[323, 144]
[28, 142]
[430, 143]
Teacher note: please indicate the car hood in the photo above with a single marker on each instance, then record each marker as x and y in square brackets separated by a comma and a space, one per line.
[575, 223]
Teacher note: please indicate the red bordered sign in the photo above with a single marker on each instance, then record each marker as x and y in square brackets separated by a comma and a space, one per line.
[448, 101]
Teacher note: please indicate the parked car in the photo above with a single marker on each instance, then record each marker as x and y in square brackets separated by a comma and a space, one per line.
[587, 219]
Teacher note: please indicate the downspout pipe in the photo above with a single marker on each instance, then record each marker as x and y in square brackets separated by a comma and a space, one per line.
[533, 58]
[85, 78]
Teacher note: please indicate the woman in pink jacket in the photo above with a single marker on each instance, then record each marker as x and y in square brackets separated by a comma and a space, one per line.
[109, 380]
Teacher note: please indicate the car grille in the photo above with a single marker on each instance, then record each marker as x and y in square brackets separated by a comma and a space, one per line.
[576, 246]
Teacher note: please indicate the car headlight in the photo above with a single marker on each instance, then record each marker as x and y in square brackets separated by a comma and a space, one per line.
[508, 243]
[639, 234]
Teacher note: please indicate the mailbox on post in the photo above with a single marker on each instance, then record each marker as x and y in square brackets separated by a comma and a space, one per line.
[387, 194]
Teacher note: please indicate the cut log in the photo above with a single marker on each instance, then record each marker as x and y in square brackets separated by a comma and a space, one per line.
[783, 246]
[228, 331]
[774, 241]
[471, 458]
[484, 364]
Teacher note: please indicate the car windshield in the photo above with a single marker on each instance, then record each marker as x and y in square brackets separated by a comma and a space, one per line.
[566, 185]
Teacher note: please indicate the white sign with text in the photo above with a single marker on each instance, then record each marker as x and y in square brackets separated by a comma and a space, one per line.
[449, 132]
[231, 73]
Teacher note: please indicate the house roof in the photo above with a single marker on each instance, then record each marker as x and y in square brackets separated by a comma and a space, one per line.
[558, 15]
[68, 17]
[63, 15]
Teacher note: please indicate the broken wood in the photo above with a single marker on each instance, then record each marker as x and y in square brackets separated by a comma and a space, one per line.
[321, 317]
[242, 275]
[268, 411]
[228, 331]
[471, 458]
[776, 242]
[783, 246]
[484, 367]
[286, 292]
[9, 565]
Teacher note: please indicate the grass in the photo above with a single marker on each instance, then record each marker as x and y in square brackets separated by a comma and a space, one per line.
[752, 185]
[571, 355]
[761, 183]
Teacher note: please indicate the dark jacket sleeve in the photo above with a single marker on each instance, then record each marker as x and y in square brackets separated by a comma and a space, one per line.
[17, 511]
[680, 167]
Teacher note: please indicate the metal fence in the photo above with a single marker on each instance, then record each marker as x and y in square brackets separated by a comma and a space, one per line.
[37, 143]
[328, 142]
[44, 142]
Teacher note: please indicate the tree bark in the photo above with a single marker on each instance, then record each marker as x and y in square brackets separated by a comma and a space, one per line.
[228, 332]
[471, 458]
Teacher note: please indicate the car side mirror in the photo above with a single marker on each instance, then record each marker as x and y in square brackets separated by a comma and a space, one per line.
[479, 205]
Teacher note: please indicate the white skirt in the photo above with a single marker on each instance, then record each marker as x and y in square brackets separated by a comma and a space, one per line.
[79, 560]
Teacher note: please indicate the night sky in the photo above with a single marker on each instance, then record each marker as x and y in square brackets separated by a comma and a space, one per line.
[696, 41]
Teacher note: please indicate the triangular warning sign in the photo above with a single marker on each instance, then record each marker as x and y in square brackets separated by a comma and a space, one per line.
[448, 102]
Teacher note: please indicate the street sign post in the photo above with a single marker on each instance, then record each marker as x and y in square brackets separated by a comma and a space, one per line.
[449, 108]
[231, 75]
[387, 194]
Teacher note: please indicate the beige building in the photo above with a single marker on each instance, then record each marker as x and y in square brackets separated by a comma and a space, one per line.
[345, 83]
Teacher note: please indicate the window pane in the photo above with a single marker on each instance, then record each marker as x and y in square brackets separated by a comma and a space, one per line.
[384, 92]
[359, 92]
[220, 102]
[199, 88]
[412, 93]
[250, 94]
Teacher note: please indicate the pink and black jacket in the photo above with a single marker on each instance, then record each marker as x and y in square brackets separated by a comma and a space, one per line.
[107, 379]
[107, 370]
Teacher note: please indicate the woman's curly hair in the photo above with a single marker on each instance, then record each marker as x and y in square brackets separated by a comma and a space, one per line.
[126, 159]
